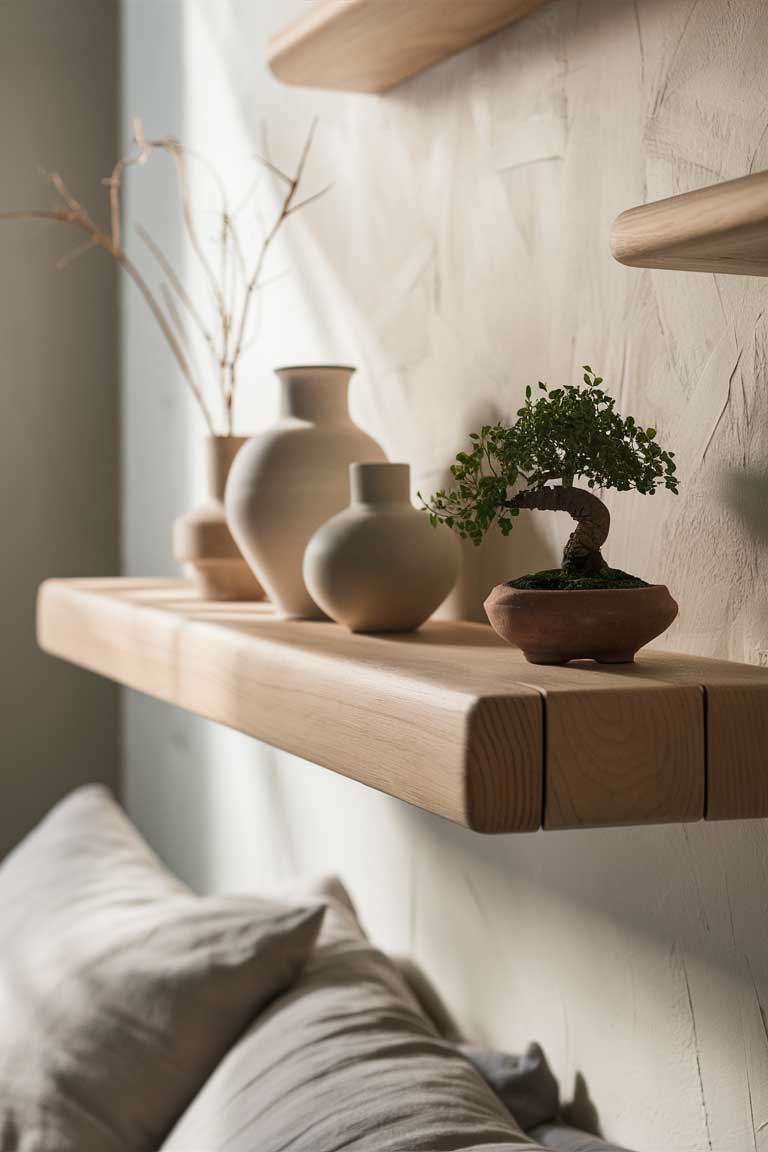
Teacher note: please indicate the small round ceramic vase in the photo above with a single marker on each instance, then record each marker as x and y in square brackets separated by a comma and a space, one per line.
[202, 541]
[290, 479]
[380, 566]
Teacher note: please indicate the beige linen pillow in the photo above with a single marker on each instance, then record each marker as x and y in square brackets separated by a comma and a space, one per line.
[345, 1059]
[119, 989]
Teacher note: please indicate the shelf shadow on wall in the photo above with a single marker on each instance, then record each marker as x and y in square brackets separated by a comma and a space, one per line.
[686, 886]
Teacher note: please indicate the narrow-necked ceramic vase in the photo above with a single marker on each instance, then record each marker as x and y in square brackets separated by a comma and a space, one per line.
[290, 479]
[379, 566]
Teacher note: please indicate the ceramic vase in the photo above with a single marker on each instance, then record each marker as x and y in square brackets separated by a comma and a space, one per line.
[290, 479]
[202, 541]
[380, 566]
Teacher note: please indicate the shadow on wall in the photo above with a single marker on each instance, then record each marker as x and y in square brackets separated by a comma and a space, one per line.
[745, 492]
[499, 559]
[580, 1111]
[592, 872]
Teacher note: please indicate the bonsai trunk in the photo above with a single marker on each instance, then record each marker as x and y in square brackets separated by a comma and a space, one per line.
[581, 555]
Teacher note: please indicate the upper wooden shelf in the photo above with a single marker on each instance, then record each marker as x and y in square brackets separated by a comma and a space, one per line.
[371, 45]
[723, 228]
[448, 718]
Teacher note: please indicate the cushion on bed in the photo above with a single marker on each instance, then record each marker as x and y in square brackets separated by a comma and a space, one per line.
[561, 1138]
[120, 990]
[345, 1059]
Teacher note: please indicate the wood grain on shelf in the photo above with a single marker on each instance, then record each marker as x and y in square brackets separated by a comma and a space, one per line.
[426, 722]
[722, 228]
[736, 728]
[371, 45]
[625, 757]
[448, 718]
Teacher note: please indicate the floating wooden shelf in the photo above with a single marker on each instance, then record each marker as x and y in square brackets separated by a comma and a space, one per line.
[371, 45]
[448, 718]
[723, 228]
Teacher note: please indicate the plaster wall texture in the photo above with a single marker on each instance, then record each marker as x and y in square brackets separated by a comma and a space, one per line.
[462, 254]
[58, 395]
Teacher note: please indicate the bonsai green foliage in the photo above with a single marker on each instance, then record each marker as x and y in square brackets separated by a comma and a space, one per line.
[562, 435]
[555, 580]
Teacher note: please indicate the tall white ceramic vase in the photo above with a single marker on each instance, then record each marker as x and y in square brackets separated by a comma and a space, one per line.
[290, 479]
[380, 566]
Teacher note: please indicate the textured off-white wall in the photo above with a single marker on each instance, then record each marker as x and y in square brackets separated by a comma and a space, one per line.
[462, 254]
[58, 394]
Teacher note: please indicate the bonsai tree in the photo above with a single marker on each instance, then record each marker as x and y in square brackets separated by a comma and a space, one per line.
[563, 435]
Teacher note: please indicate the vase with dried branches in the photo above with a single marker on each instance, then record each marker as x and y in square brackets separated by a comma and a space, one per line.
[221, 327]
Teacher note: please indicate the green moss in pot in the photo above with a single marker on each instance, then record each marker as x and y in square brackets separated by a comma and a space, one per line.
[584, 609]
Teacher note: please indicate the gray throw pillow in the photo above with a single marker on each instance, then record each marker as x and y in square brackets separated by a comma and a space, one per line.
[524, 1083]
[561, 1138]
[345, 1059]
[120, 990]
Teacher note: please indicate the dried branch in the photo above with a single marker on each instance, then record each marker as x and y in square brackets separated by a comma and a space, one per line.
[80, 250]
[169, 334]
[309, 200]
[76, 215]
[225, 341]
[245, 200]
[178, 287]
[274, 169]
[39, 214]
[285, 211]
[177, 153]
[237, 247]
[173, 311]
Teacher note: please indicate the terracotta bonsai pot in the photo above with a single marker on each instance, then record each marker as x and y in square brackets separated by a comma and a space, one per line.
[608, 625]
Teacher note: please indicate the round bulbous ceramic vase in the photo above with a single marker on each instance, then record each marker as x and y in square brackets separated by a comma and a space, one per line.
[202, 541]
[380, 566]
[290, 479]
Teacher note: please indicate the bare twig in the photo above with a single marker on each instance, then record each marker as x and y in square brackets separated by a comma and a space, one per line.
[169, 334]
[285, 210]
[40, 214]
[173, 311]
[308, 200]
[274, 169]
[80, 250]
[245, 200]
[227, 344]
[178, 155]
[177, 286]
[237, 248]
[75, 214]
